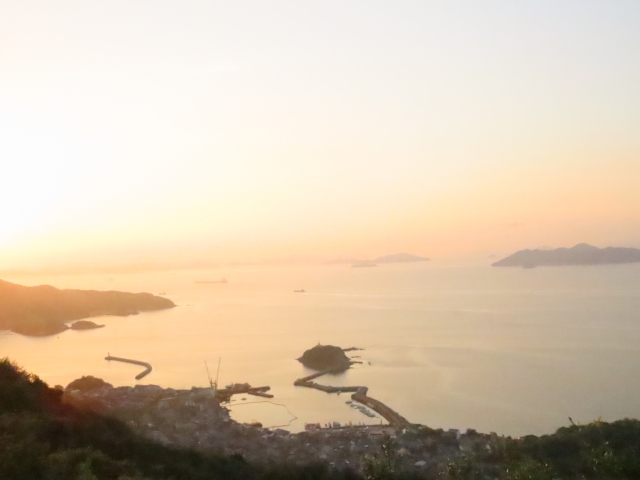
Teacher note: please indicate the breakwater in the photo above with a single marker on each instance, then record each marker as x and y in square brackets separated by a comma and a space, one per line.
[142, 374]
[306, 382]
[394, 418]
[359, 395]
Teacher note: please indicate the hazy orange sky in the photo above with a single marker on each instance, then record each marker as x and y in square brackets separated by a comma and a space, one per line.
[135, 131]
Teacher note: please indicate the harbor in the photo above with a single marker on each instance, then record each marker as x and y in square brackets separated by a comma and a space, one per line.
[192, 418]
[359, 395]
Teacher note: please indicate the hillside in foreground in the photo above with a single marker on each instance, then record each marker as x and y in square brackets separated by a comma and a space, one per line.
[44, 437]
[45, 310]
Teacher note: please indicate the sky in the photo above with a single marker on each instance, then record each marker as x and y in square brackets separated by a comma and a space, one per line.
[194, 132]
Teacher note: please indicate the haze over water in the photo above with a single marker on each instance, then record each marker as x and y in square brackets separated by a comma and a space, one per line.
[507, 350]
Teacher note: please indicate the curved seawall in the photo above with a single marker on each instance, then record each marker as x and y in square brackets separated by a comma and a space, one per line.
[143, 374]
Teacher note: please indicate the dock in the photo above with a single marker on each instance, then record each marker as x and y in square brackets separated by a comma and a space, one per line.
[142, 374]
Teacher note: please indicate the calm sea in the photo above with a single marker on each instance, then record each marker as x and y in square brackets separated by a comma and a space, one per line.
[505, 350]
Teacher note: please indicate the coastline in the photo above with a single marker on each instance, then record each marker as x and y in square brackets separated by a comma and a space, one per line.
[470, 382]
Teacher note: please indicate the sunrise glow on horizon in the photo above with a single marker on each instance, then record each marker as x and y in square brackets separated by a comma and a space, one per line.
[271, 131]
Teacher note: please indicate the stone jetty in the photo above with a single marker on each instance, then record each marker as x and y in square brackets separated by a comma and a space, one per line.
[394, 418]
[306, 382]
[142, 374]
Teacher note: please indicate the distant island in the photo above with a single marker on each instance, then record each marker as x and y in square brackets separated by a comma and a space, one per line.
[223, 280]
[364, 264]
[400, 258]
[46, 310]
[581, 254]
[393, 258]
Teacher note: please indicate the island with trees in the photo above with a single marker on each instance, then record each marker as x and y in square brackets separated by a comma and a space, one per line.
[325, 357]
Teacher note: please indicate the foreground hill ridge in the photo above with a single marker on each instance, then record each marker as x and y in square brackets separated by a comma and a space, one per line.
[163, 434]
[45, 310]
[580, 254]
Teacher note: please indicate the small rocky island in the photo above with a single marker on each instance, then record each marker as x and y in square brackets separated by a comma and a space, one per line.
[46, 310]
[581, 254]
[326, 357]
[85, 325]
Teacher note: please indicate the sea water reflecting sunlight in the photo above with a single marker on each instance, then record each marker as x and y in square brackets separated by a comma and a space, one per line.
[506, 350]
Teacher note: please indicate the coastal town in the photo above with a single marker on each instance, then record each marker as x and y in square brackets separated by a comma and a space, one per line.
[198, 419]
[195, 419]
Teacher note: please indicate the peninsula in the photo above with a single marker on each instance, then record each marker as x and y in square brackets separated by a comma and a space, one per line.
[581, 254]
[46, 310]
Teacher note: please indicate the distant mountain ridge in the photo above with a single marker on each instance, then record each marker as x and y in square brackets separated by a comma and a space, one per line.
[45, 310]
[580, 254]
[393, 258]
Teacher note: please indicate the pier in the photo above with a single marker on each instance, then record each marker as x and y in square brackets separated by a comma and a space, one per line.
[224, 394]
[142, 374]
[260, 392]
